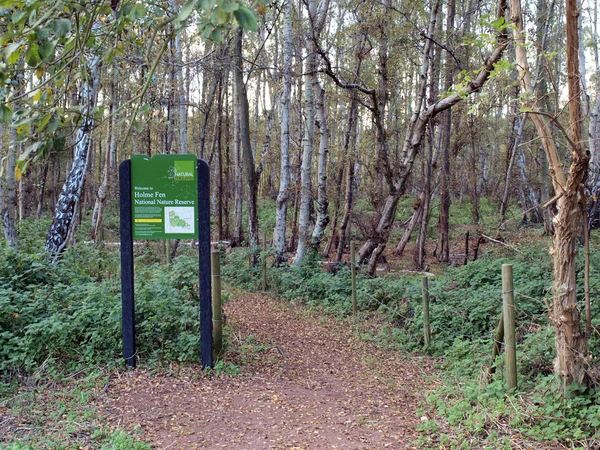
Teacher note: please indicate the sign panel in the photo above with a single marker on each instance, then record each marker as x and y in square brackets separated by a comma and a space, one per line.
[164, 197]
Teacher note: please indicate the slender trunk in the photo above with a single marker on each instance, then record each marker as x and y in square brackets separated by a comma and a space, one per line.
[219, 177]
[40, 205]
[238, 231]
[9, 213]
[307, 162]
[514, 148]
[284, 120]
[244, 132]
[64, 221]
[98, 214]
[322, 219]
[473, 172]
[227, 170]
[444, 230]
[414, 220]
[334, 234]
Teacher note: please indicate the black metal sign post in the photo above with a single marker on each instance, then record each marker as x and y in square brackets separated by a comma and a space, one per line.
[206, 338]
[127, 304]
[204, 271]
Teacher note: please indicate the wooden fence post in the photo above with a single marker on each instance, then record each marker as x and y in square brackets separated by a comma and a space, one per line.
[217, 308]
[426, 326]
[508, 306]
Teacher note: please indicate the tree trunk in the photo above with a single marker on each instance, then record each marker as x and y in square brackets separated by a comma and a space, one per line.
[181, 94]
[317, 17]
[444, 230]
[414, 220]
[9, 212]
[98, 214]
[40, 205]
[571, 341]
[244, 131]
[63, 223]
[416, 129]
[284, 121]
[238, 230]
[307, 162]
[322, 219]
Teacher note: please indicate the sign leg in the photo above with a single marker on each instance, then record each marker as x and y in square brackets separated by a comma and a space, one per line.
[127, 264]
[206, 339]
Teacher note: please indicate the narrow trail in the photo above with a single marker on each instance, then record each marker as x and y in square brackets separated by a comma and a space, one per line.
[305, 383]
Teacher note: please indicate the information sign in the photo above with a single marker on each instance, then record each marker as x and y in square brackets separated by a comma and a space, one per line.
[164, 197]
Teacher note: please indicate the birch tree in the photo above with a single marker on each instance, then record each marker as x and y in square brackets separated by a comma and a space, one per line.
[284, 121]
[317, 14]
[63, 223]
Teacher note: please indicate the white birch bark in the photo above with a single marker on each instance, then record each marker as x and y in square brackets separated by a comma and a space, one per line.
[317, 16]
[284, 120]
[414, 139]
[322, 199]
[63, 223]
[9, 208]
[307, 156]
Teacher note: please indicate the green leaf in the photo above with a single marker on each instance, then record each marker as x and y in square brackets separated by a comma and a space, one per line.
[109, 56]
[207, 31]
[18, 16]
[217, 35]
[13, 52]
[32, 149]
[186, 10]
[205, 4]
[42, 123]
[61, 27]
[525, 109]
[6, 113]
[46, 51]
[221, 16]
[229, 6]
[69, 45]
[53, 126]
[137, 12]
[245, 18]
[32, 55]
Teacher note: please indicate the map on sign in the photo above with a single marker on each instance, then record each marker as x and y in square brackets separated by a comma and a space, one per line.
[164, 196]
[179, 219]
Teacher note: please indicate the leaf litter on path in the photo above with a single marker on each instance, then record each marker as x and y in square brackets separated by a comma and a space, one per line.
[305, 383]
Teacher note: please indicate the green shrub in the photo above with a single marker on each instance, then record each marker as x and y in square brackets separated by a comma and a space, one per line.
[71, 313]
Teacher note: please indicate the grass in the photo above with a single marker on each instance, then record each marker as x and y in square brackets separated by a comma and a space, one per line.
[47, 413]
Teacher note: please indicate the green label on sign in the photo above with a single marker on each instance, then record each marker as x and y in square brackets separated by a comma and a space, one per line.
[164, 197]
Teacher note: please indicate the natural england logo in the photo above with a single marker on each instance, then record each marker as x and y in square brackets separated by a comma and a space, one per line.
[184, 170]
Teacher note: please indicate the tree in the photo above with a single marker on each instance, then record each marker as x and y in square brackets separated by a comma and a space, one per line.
[284, 120]
[571, 341]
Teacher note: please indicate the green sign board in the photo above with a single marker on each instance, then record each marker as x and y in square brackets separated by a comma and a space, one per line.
[164, 197]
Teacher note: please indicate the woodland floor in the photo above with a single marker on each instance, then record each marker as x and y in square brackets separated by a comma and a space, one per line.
[306, 382]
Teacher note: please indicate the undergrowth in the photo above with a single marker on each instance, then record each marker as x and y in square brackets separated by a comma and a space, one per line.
[68, 316]
[465, 307]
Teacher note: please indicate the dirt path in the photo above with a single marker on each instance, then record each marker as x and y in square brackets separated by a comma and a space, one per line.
[305, 383]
